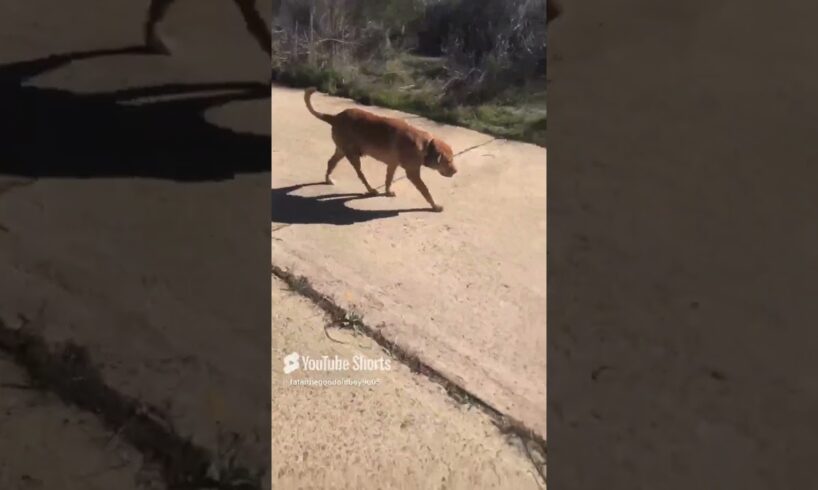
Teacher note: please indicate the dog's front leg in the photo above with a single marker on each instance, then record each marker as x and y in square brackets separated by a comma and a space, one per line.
[356, 164]
[390, 174]
[414, 177]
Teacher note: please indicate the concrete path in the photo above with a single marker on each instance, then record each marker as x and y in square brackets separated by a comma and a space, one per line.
[464, 289]
[37, 427]
[77, 200]
[394, 430]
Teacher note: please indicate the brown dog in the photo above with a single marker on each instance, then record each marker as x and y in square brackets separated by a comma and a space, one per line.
[392, 141]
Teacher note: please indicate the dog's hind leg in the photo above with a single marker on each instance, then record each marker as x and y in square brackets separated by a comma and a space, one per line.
[356, 164]
[333, 161]
[414, 177]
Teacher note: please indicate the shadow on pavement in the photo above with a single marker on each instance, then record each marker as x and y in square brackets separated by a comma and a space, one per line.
[47, 132]
[330, 209]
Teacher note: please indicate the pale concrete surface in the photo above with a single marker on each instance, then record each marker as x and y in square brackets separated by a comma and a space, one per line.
[465, 289]
[401, 432]
[63, 240]
[80, 453]
[683, 188]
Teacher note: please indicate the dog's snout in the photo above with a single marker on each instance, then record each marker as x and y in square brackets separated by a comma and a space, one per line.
[448, 172]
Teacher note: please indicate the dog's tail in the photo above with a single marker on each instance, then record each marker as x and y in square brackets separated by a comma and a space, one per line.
[324, 117]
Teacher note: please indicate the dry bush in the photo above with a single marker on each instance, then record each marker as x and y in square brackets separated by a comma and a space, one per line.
[335, 33]
[488, 45]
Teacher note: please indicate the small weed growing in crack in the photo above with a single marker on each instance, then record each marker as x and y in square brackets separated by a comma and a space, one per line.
[301, 285]
[351, 320]
[354, 320]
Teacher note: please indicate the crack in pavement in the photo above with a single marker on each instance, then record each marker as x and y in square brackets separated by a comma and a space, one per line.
[531, 441]
[68, 372]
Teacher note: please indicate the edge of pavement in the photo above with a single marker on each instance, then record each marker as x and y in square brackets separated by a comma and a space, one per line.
[534, 444]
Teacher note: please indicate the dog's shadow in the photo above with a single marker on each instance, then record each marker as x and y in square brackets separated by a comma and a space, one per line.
[329, 209]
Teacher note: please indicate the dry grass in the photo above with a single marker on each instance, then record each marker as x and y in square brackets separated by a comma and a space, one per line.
[493, 82]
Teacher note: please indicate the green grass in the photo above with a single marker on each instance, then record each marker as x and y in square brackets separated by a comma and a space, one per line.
[413, 84]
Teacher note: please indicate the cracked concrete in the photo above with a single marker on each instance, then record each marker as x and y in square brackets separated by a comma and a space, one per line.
[156, 315]
[400, 432]
[463, 289]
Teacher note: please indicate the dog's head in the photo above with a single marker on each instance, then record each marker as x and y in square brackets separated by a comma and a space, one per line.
[440, 157]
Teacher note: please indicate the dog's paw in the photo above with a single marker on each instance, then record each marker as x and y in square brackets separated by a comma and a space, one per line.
[329, 181]
[372, 192]
[437, 208]
[389, 194]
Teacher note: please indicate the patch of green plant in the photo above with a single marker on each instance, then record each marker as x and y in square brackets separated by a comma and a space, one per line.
[517, 114]
[305, 75]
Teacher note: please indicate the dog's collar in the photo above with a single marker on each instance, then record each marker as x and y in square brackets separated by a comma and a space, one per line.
[426, 151]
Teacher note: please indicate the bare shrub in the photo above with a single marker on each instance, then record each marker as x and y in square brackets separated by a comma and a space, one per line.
[491, 45]
[487, 45]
